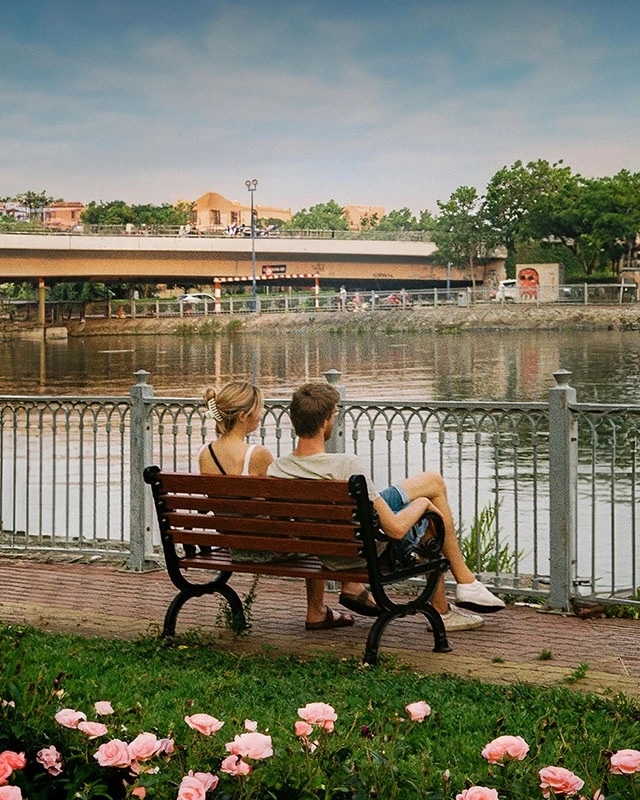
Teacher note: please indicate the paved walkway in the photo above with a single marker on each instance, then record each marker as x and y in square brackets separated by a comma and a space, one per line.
[96, 599]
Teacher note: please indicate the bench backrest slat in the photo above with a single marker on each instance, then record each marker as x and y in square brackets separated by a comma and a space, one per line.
[248, 486]
[259, 506]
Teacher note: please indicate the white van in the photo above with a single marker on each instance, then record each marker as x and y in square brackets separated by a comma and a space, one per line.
[507, 291]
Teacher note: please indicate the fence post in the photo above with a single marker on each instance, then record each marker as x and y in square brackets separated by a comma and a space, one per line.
[141, 453]
[563, 483]
[336, 443]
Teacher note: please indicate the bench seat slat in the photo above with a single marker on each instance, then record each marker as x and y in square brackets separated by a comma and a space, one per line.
[301, 567]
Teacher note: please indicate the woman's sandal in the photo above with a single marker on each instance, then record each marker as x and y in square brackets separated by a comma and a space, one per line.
[360, 604]
[331, 620]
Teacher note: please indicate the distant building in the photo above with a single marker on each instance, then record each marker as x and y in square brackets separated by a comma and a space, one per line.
[62, 216]
[13, 209]
[355, 215]
[213, 212]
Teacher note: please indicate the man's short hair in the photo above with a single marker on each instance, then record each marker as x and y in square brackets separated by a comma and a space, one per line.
[311, 405]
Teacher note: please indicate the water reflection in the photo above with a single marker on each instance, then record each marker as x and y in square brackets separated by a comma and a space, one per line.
[420, 366]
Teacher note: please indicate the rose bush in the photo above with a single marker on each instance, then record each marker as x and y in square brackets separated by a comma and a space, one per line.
[350, 760]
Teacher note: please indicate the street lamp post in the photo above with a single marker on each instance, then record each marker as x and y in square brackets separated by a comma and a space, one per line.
[251, 186]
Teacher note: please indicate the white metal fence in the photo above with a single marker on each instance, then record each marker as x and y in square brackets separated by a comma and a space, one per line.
[556, 481]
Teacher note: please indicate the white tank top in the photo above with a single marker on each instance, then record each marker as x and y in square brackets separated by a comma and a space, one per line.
[247, 459]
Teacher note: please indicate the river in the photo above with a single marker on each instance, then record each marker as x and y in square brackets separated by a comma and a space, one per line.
[498, 365]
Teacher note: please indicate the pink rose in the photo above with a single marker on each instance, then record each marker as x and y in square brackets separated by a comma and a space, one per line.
[93, 729]
[13, 759]
[113, 754]
[103, 708]
[165, 747]
[50, 759]
[625, 762]
[418, 710]
[234, 765]
[560, 780]
[478, 793]
[320, 714]
[69, 718]
[505, 747]
[139, 791]
[5, 771]
[303, 728]
[250, 745]
[144, 746]
[195, 785]
[10, 793]
[204, 723]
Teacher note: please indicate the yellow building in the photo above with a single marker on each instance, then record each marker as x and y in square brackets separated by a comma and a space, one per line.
[355, 215]
[214, 212]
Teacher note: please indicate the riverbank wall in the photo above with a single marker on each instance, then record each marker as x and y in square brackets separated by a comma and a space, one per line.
[441, 319]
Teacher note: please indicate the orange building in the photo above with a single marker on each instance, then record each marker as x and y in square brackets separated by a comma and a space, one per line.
[213, 212]
[62, 216]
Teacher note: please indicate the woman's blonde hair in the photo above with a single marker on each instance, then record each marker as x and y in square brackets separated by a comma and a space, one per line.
[226, 404]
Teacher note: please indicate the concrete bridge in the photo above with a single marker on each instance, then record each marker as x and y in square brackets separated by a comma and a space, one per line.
[197, 260]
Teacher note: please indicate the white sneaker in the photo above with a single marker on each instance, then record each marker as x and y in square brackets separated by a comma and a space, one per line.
[457, 619]
[477, 597]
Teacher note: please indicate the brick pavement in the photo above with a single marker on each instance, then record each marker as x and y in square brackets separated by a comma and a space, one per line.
[103, 599]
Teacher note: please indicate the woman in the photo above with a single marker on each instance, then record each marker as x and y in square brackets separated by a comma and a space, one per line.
[237, 409]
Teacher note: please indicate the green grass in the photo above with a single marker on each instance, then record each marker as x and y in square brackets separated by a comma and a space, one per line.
[375, 751]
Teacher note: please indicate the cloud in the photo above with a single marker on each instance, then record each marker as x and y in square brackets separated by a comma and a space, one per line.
[376, 103]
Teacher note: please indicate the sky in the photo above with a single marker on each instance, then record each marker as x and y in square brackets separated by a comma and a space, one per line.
[394, 104]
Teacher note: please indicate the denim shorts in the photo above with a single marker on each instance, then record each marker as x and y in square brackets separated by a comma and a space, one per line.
[396, 498]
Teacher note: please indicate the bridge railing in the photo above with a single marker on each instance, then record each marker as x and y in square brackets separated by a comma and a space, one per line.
[179, 231]
[544, 495]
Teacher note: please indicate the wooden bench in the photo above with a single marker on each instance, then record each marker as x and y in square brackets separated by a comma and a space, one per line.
[202, 516]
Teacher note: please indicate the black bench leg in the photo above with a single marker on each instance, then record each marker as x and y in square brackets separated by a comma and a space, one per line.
[373, 639]
[440, 641]
[235, 604]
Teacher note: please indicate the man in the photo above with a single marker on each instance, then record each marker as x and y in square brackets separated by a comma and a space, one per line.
[399, 508]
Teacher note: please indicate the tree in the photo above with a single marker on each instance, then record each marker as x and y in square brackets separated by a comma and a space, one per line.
[370, 222]
[596, 219]
[402, 220]
[35, 201]
[117, 212]
[512, 193]
[322, 217]
[460, 231]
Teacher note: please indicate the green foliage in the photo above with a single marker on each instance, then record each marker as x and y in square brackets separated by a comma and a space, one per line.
[579, 673]
[482, 550]
[402, 220]
[35, 201]
[374, 751]
[18, 291]
[460, 232]
[119, 213]
[545, 655]
[512, 193]
[322, 217]
[238, 625]
[79, 292]
[596, 220]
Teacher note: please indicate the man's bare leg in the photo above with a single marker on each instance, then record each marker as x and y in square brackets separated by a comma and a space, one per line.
[432, 486]
[316, 607]
[470, 593]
